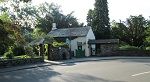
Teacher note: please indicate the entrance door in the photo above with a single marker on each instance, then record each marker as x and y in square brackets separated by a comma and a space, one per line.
[80, 52]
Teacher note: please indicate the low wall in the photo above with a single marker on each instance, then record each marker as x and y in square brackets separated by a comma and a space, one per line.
[140, 53]
[59, 54]
[17, 62]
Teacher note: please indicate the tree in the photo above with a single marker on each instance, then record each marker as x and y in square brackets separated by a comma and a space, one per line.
[19, 0]
[100, 20]
[90, 17]
[10, 33]
[132, 31]
[51, 13]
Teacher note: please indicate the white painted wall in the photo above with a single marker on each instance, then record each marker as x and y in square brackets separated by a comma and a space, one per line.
[74, 43]
[85, 46]
[90, 36]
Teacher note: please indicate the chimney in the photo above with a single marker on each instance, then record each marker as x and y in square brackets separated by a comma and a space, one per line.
[54, 26]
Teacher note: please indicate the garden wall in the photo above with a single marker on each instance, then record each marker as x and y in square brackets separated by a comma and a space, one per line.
[140, 53]
[17, 62]
[59, 54]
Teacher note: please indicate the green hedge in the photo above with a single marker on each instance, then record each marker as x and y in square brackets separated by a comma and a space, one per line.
[128, 47]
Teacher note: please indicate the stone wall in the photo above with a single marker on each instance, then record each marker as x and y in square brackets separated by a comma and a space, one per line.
[106, 48]
[59, 53]
[17, 62]
[140, 53]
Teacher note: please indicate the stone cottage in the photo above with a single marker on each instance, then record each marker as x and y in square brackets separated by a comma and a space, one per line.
[77, 39]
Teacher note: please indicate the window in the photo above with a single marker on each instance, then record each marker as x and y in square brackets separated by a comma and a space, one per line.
[79, 44]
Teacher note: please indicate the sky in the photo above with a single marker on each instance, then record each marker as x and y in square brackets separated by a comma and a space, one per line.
[118, 9]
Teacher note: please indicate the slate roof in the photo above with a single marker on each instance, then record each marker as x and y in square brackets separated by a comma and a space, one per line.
[70, 32]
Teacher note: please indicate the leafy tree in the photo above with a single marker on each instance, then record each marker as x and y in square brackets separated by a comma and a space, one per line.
[132, 31]
[51, 13]
[9, 33]
[99, 20]
[90, 17]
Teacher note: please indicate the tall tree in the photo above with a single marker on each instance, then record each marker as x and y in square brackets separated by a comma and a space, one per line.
[10, 33]
[90, 17]
[51, 13]
[132, 31]
[100, 21]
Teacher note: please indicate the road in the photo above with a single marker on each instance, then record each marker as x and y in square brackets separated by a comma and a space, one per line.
[121, 70]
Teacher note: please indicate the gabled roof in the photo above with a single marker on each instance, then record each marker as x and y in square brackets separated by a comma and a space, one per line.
[70, 32]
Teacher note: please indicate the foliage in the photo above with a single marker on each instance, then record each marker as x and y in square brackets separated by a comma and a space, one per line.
[10, 33]
[19, 0]
[52, 13]
[38, 33]
[128, 47]
[21, 13]
[9, 54]
[60, 44]
[132, 31]
[147, 40]
[48, 39]
[18, 50]
[22, 23]
[22, 57]
[29, 51]
[90, 17]
[99, 20]
[147, 48]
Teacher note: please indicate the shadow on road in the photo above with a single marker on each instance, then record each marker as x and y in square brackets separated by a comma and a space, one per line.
[41, 74]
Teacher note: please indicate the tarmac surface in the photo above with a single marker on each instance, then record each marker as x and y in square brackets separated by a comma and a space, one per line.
[94, 70]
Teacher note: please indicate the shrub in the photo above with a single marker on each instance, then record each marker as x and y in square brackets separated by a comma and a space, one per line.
[29, 51]
[9, 54]
[147, 48]
[60, 44]
[128, 47]
[19, 50]
[3, 49]
[35, 50]
[23, 56]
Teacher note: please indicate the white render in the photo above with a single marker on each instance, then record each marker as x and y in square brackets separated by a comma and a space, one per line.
[90, 36]
[84, 40]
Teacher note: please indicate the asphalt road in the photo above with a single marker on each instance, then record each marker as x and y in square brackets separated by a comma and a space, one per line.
[121, 70]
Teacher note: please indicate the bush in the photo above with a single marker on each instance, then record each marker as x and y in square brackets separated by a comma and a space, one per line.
[128, 47]
[147, 48]
[60, 44]
[19, 50]
[9, 54]
[3, 49]
[29, 51]
[35, 50]
[23, 56]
